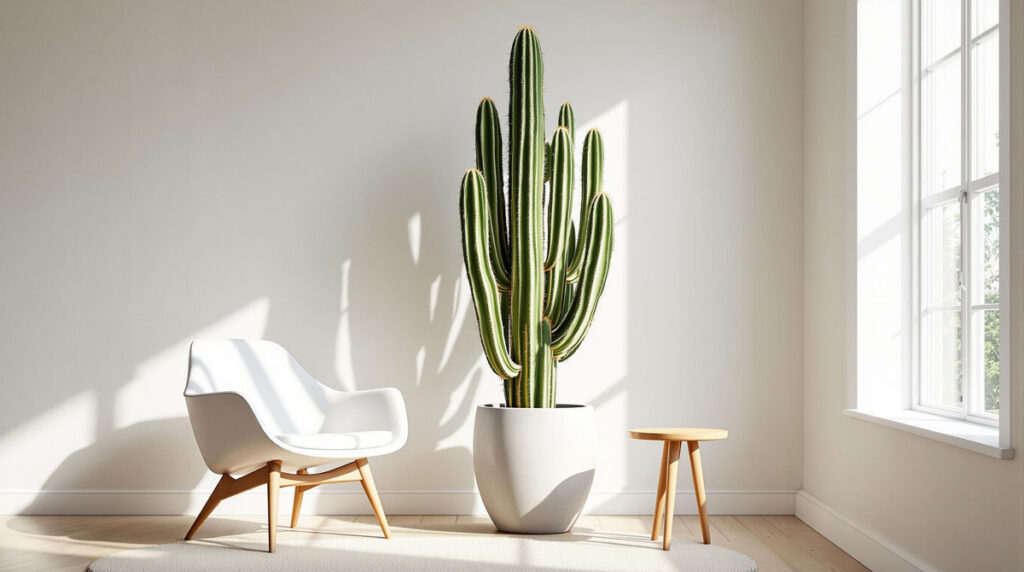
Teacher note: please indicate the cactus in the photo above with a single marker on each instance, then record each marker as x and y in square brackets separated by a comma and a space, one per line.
[535, 281]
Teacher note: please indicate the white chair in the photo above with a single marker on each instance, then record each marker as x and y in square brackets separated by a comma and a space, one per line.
[254, 410]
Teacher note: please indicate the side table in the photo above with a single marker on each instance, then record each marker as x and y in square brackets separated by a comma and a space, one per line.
[673, 438]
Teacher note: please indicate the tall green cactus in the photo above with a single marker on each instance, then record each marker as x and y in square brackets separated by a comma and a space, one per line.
[534, 298]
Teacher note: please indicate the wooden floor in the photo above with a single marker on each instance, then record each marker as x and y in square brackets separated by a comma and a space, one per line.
[777, 543]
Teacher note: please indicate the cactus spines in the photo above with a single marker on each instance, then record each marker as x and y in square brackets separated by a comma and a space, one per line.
[535, 299]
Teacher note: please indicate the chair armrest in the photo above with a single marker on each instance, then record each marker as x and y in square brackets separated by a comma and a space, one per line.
[368, 410]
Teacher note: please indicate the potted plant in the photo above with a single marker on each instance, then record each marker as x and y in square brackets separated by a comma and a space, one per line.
[536, 283]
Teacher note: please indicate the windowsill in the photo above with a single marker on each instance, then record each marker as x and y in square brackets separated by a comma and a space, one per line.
[975, 437]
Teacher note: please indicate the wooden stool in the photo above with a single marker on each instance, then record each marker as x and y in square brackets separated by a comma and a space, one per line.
[673, 438]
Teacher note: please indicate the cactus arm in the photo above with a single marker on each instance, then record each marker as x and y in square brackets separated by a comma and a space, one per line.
[568, 288]
[567, 119]
[526, 190]
[593, 167]
[598, 249]
[476, 251]
[561, 195]
[488, 161]
[558, 222]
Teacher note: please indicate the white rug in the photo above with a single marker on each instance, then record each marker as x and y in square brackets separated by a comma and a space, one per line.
[434, 551]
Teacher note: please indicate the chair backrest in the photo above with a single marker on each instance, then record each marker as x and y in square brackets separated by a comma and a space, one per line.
[284, 398]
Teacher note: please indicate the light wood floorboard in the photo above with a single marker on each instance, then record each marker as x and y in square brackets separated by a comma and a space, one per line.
[776, 543]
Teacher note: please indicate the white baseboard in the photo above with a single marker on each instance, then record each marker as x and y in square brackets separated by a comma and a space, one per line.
[864, 544]
[347, 501]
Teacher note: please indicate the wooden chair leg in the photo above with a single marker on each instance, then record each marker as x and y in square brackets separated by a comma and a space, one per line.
[698, 488]
[219, 493]
[228, 487]
[297, 503]
[371, 493]
[672, 474]
[273, 491]
[659, 503]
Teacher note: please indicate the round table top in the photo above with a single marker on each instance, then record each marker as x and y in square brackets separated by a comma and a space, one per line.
[678, 434]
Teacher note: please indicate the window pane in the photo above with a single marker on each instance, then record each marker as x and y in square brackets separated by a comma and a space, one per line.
[940, 29]
[984, 15]
[991, 362]
[985, 106]
[940, 127]
[942, 373]
[940, 255]
[941, 328]
[982, 381]
[990, 247]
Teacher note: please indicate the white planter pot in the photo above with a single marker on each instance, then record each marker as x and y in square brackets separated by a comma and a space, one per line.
[534, 466]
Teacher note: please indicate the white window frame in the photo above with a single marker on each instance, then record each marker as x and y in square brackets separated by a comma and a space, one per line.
[882, 372]
[966, 192]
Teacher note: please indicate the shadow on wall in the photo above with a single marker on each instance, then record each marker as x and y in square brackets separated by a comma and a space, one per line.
[259, 173]
[403, 318]
[412, 331]
[258, 206]
[150, 452]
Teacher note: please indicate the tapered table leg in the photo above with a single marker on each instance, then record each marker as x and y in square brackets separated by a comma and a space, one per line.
[659, 502]
[698, 489]
[670, 493]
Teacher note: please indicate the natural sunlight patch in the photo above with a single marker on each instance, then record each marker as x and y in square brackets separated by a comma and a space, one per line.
[343, 366]
[155, 390]
[435, 289]
[415, 235]
[884, 217]
[421, 357]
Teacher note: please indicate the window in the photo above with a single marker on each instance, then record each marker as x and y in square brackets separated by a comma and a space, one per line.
[932, 263]
[956, 107]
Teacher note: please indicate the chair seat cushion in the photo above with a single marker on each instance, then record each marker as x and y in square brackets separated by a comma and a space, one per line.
[336, 441]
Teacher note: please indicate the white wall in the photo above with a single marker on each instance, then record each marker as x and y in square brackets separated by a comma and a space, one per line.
[895, 498]
[171, 170]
